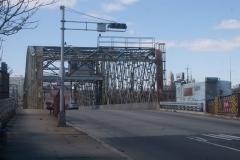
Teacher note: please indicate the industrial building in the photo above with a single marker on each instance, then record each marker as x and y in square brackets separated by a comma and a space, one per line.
[202, 91]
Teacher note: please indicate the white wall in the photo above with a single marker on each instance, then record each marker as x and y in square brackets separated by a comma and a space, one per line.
[199, 93]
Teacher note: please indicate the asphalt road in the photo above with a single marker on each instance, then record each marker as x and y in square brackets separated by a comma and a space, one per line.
[161, 135]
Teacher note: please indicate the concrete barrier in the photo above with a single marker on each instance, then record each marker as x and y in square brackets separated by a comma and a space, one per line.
[182, 106]
[128, 106]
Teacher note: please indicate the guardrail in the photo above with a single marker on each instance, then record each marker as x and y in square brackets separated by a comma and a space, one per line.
[126, 42]
[226, 104]
[182, 106]
[7, 106]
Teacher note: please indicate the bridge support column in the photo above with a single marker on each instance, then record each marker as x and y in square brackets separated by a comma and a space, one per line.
[98, 92]
[159, 77]
[33, 92]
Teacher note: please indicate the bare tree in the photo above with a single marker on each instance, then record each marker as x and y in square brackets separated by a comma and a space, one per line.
[15, 15]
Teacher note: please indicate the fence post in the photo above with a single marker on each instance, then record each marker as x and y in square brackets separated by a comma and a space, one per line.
[234, 104]
[215, 105]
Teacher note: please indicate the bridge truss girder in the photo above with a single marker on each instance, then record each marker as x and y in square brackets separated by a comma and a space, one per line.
[118, 74]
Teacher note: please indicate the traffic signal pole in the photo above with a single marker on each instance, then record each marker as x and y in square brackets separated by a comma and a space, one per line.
[121, 26]
[62, 115]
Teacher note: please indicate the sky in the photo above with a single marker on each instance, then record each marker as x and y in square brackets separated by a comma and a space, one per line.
[201, 35]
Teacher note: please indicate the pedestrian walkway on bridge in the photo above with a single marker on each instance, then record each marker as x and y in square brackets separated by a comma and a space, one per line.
[34, 134]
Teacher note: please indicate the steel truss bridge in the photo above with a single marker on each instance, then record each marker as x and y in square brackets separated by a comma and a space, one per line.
[119, 70]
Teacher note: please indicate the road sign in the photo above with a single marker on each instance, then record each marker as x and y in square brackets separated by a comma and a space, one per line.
[225, 104]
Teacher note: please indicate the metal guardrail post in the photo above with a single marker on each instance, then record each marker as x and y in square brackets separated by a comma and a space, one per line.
[234, 104]
[215, 105]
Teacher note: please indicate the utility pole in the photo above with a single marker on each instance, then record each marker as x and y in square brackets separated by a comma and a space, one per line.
[101, 27]
[62, 115]
[230, 70]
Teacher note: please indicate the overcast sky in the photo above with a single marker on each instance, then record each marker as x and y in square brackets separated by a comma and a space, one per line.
[201, 34]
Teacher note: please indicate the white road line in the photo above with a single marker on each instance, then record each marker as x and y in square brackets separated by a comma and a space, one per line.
[217, 136]
[102, 143]
[197, 139]
[230, 136]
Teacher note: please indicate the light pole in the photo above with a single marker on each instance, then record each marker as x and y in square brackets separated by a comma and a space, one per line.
[100, 28]
[62, 115]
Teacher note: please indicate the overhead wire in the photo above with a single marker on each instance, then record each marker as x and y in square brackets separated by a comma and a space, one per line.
[77, 12]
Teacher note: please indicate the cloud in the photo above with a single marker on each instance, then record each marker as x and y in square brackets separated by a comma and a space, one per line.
[67, 3]
[127, 1]
[229, 24]
[117, 5]
[130, 23]
[112, 7]
[131, 32]
[211, 45]
[205, 45]
[168, 43]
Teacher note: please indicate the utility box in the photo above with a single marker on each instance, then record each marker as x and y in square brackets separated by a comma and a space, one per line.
[202, 91]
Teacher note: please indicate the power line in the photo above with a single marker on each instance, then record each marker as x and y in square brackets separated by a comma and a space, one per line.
[77, 12]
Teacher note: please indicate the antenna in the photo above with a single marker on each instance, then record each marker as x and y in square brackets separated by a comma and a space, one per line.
[187, 73]
[191, 75]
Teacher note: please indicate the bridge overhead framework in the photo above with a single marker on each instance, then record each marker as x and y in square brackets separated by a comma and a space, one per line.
[119, 70]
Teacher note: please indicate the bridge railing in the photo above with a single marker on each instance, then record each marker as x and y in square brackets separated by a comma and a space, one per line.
[7, 106]
[226, 104]
[126, 42]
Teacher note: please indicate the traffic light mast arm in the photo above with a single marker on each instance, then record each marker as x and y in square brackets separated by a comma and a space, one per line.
[101, 27]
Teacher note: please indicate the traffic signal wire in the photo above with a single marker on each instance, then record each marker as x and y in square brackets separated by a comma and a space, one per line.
[77, 12]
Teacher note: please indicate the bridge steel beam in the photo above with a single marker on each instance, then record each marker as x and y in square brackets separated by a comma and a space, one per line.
[116, 75]
[33, 83]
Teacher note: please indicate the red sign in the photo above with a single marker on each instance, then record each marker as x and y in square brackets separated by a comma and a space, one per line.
[225, 104]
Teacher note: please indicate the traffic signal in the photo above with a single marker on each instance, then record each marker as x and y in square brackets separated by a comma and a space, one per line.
[117, 26]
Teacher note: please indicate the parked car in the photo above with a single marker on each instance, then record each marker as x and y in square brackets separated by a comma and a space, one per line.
[72, 105]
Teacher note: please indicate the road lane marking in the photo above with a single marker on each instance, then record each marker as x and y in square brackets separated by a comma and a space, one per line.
[102, 143]
[230, 136]
[222, 136]
[216, 136]
[198, 139]
[215, 144]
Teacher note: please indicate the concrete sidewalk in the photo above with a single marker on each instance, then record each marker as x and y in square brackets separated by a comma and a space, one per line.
[34, 135]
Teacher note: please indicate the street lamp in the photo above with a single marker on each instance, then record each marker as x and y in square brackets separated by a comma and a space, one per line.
[61, 115]
[101, 27]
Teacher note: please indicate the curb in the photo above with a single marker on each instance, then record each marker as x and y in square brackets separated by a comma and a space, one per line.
[182, 111]
[235, 117]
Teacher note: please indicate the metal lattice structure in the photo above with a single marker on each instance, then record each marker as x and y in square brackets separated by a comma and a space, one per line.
[119, 70]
